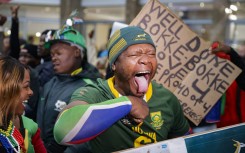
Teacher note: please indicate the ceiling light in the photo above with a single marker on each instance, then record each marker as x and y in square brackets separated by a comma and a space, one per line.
[233, 7]
[8, 32]
[202, 4]
[38, 34]
[228, 11]
[232, 17]
[181, 14]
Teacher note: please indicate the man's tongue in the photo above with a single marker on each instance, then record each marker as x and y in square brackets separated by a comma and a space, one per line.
[142, 84]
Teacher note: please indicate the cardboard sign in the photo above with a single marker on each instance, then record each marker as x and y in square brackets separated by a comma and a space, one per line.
[185, 65]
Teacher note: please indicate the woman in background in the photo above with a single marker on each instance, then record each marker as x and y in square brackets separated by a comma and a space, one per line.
[17, 132]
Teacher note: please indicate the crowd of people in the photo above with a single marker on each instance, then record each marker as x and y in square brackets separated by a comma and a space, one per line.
[54, 100]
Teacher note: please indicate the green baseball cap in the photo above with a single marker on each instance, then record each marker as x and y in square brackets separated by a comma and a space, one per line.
[69, 35]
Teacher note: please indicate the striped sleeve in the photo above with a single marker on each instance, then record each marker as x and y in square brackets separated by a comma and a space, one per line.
[82, 123]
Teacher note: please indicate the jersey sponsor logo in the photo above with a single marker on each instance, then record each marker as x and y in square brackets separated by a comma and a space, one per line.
[59, 105]
[145, 138]
[157, 120]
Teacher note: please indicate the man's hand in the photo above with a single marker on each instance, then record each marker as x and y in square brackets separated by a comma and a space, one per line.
[140, 109]
[14, 11]
[2, 19]
[218, 47]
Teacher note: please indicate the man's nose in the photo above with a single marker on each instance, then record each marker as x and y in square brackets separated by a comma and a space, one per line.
[144, 59]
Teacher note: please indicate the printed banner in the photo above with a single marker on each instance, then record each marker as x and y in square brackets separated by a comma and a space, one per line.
[171, 146]
[230, 139]
[185, 65]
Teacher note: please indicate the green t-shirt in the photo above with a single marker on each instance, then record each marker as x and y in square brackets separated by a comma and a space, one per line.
[166, 119]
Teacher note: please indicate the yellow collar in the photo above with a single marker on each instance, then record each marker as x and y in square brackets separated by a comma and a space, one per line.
[76, 71]
[117, 94]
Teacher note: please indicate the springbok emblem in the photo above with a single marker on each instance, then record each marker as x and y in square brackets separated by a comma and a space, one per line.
[238, 146]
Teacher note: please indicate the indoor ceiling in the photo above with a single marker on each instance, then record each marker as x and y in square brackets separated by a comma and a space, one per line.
[115, 10]
[44, 13]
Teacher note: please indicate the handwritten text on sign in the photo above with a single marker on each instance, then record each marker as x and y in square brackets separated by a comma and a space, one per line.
[185, 65]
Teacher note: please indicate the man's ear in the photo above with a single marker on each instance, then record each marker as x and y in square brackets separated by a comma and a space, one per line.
[113, 67]
[77, 52]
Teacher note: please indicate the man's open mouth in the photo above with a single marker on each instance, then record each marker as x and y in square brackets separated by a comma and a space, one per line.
[141, 81]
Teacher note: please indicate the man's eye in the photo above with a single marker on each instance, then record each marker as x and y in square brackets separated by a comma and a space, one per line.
[133, 55]
[152, 53]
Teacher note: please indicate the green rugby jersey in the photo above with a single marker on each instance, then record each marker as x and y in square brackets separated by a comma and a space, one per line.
[166, 119]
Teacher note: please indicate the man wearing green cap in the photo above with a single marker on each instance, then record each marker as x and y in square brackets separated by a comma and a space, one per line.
[68, 55]
[129, 109]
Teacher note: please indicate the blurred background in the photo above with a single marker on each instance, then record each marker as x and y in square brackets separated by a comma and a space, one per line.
[222, 20]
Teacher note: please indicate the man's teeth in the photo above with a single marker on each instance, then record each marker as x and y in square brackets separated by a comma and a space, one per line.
[143, 72]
